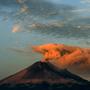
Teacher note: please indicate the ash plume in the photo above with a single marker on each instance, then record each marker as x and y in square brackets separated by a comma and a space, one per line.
[64, 56]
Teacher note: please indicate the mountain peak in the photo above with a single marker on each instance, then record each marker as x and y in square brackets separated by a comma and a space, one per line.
[43, 72]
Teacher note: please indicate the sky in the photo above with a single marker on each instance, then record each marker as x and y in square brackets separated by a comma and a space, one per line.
[24, 23]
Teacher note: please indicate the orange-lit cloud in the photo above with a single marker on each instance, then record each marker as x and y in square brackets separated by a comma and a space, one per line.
[16, 28]
[65, 56]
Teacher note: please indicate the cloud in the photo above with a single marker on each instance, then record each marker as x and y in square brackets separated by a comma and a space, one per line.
[41, 12]
[85, 1]
[64, 56]
[83, 10]
[19, 50]
[49, 25]
[21, 1]
[26, 51]
[24, 9]
[55, 1]
[16, 28]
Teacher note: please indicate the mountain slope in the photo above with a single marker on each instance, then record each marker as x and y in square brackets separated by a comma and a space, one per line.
[43, 75]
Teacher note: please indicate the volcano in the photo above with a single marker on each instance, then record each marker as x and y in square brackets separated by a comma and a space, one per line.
[45, 76]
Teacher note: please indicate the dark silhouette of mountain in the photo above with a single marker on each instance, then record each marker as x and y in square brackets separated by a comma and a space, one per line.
[44, 76]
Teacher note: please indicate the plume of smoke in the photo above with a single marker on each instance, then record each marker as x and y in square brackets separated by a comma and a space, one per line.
[64, 56]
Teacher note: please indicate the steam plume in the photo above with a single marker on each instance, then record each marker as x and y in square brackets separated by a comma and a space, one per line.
[64, 56]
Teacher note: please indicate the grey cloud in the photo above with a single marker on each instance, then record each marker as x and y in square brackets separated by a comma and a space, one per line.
[47, 17]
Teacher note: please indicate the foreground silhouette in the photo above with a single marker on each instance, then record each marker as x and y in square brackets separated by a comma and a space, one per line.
[44, 76]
